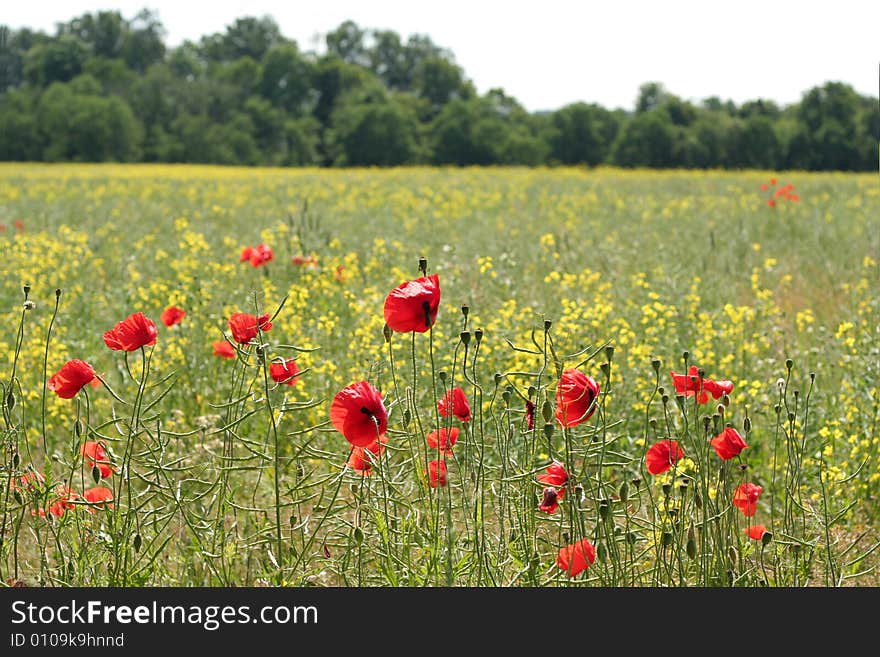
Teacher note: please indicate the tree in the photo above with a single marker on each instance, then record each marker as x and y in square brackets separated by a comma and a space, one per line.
[646, 141]
[287, 79]
[59, 60]
[348, 43]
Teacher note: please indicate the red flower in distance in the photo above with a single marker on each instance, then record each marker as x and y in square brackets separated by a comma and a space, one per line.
[662, 455]
[454, 402]
[575, 394]
[436, 473]
[692, 384]
[362, 458]
[246, 254]
[413, 305]
[244, 326]
[556, 476]
[756, 532]
[132, 333]
[172, 315]
[96, 455]
[728, 443]
[284, 372]
[28, 482]
[530, 415]
[357, 412]
[576, 558]
[63, 500]
[550, 501]
[442, 440]
[745, 498]
[224, 349]
[71, 378]
[259, 255]
[98, 495]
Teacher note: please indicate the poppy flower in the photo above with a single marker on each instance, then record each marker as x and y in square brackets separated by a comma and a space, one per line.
[442, 440]
[764, 187]
[550, 501]
[745, 498]
[556, 476]
[28, 482]
[692, 384]
[413, 305]
[357, 412]
[576, 558]
[575, 394]
[454, 402]
[756, 532]
[63, 500]
[246, 254]
[661, 455]
[95, 496]
[172, 315]
[19, 224]
[97, 456]
[284, 372]
[309, 262]
[132, 333]
[728, 443]
[530, 415]
[339, 275]
[244, 326]
[361, 461]
[259, 255]
[773, 181]
[437, 473]
[771, 202]
[224, 349]
[70, 379]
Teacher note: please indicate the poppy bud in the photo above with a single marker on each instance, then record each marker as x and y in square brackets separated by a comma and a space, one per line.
[666, 539]
[547, 410]
[667, 488]
[665, 399]
[683, 487]
[386, 333]
[96, 474]
[17, 496]
[442, 375]
[706, 422]
[606, 368]
[600, 551]
[27, 290]
[506, 397]
[685, 355]
[720, 409]
[547, 324]
[653, 423]
[407, 416]
[716, 422]
[766, 538]
[465, 310]
[732, 554]
[747, 424]
[137, 542]
[661, 390]
[698, 501]
[725, 400]
[498, 378]
[16, 459]
[478, 335]
[742, 467]
[691, 546]
[57, 292]
[532, 391]
[604, 509]
[655, 364]
[609, 352]
[679, 399]
[548, 430]
[623, 492]
[465, 337]
[812, 376]
[78, 427]
[636, 481]
[791, 417]
[423, 266]
[632, 538]
[10, 401]
[789, 363]
[358, 535]
[796, 393]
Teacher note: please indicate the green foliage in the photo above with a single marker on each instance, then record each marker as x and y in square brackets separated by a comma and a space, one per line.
[248, 95]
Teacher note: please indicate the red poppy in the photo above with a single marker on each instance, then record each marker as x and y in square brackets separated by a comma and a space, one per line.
[728, 443]
[550, 501]
[97, 495]
[745, 498]
[224, 349]
[756, 532]
[284, 372]
[132, 333]
[361, 461]
[339, 275]
[771, 202]
[454, 402]
[246, 254]
[556, 476]
[19, 224]
[442, 440]
[793, 197]
[64, 498]
[764, 187]
[530, 415]
[259, 255]
[575, 394]
[413, 305]
[28, 482]
[97, 456]
[70, 379]
[662, 455]
[437, 473]
[576, 558]
[244, 326]
[358, 413]
[172, 315]
[309, 262]
[692, 384]
[773, 181]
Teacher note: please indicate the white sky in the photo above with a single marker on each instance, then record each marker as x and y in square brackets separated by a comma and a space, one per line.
[548, 53]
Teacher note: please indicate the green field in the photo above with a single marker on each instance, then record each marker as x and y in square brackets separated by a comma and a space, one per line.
[222, 477]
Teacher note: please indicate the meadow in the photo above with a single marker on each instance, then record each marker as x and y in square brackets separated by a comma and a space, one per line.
[562, 292]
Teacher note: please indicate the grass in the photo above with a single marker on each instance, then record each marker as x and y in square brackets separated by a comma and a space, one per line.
[227, 478]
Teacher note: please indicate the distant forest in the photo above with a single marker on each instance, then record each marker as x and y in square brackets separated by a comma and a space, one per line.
[105, 88]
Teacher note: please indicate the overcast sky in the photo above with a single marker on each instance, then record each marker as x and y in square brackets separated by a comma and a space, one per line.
[547, 53]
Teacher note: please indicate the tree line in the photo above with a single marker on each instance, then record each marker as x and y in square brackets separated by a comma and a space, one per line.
[106, 88]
